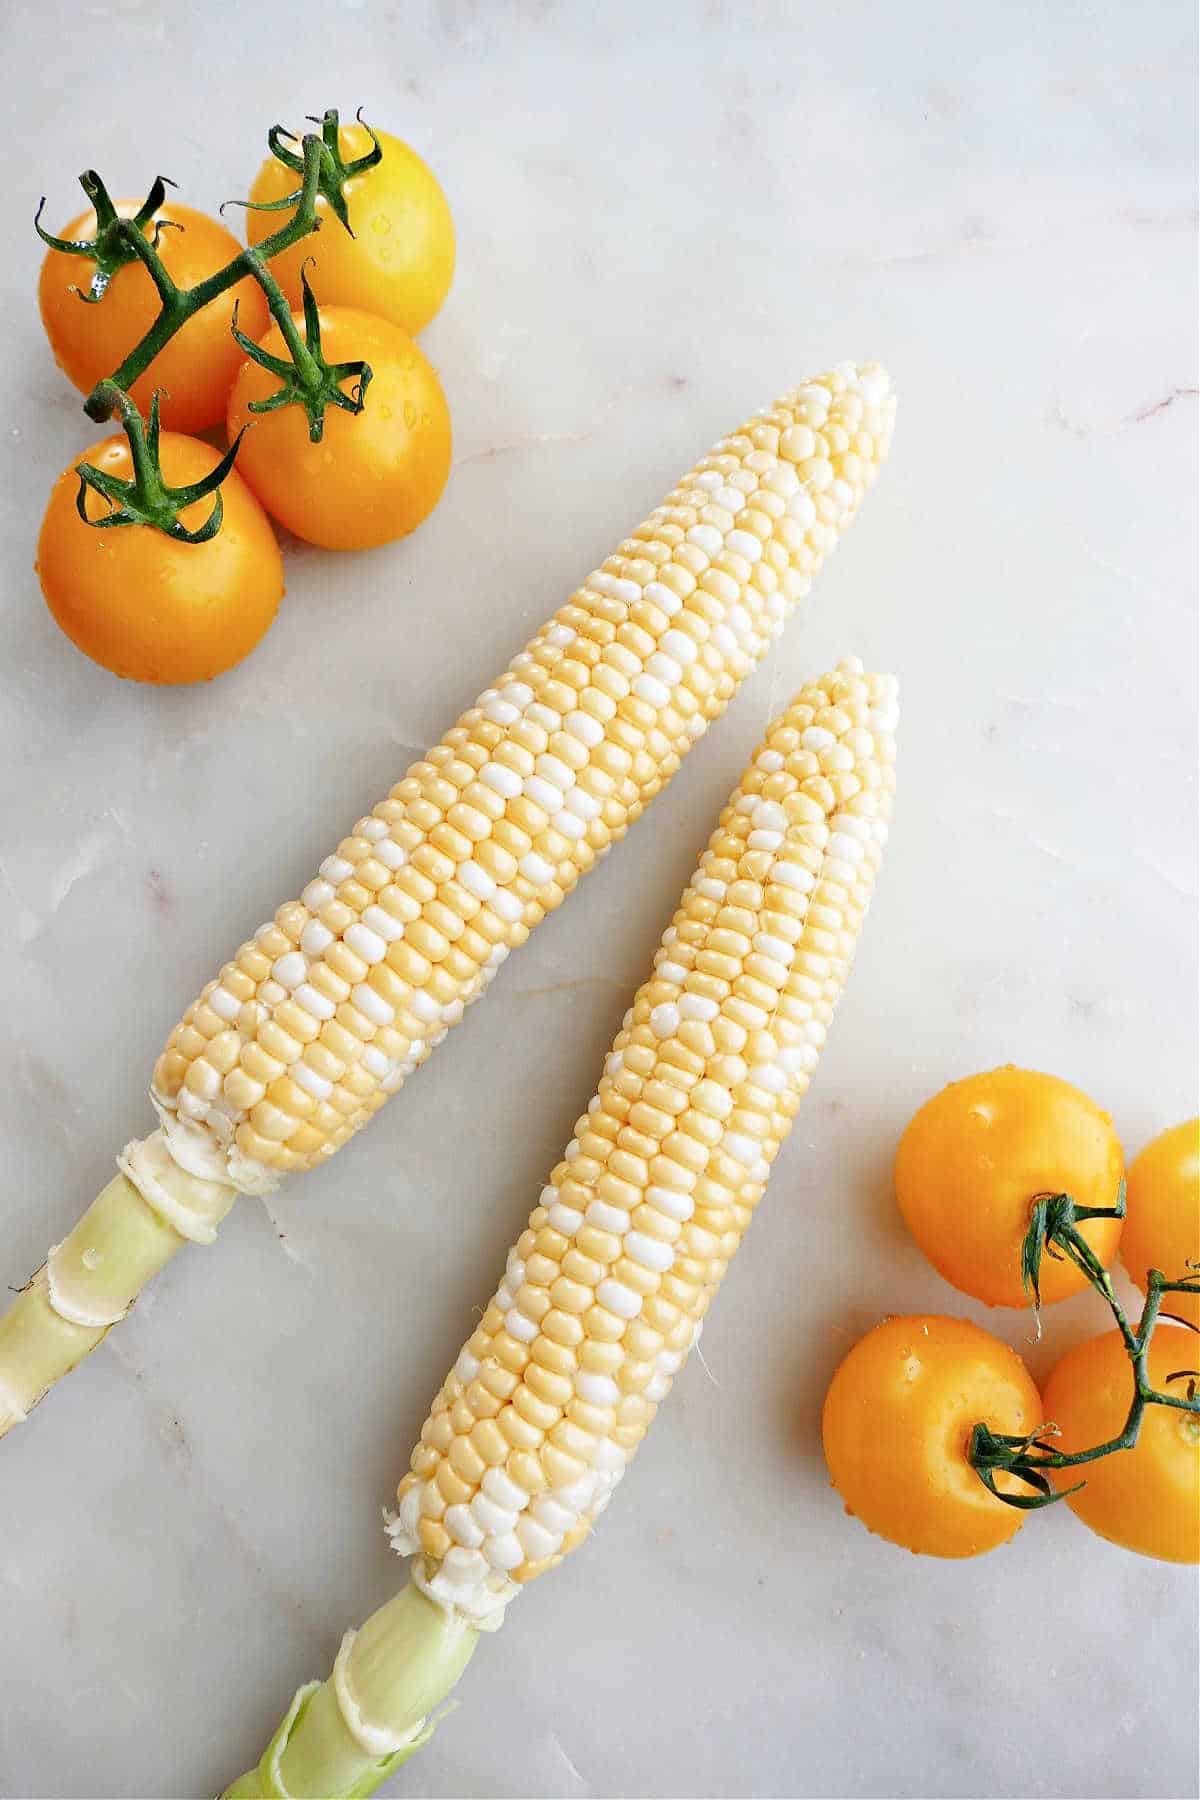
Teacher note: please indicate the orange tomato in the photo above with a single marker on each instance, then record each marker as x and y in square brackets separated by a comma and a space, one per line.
[376, 474]
[977, 1155]
[400, 261]
[1162, 1225]
[195, 370]
[897, 1427]
[1148, 1498]
[145, 606]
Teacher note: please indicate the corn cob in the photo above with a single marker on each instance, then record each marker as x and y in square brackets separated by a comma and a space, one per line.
[326, 1010]
[604, 1293]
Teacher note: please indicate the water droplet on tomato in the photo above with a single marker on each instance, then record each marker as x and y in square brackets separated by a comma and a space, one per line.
[410, 414]
[382, 224]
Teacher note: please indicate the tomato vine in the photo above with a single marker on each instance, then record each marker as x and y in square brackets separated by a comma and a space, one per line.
[306, 378]
[1053, 1231]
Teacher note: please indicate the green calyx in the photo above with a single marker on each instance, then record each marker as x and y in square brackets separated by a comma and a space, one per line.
[110, 249]
[335, 172]
[1052, 1223]
[147, 499]
[306, 379]
[1053, 1231]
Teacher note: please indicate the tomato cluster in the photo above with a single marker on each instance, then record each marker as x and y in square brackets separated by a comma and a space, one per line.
[901, 1414]
[153, 606]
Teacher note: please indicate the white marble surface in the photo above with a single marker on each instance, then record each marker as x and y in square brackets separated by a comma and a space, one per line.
[666, 213]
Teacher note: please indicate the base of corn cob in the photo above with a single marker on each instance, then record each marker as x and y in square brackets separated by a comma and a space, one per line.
[605, 1292]
[346, 1735]
[329, 1007]
[87, 1283]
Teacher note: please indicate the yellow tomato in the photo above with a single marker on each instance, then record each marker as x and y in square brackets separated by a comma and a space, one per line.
[148, 607]
[1147, 1498]
[897, 1428]
[977, 1155]
[194, 371]
[376, 474]
[400, 261]
[1162, 1226]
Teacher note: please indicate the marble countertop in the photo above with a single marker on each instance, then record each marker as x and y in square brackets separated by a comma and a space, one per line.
[666, 214]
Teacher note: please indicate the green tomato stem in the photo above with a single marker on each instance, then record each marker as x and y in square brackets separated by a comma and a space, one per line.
[1054, 1229]
[147, 499]
[108, 251]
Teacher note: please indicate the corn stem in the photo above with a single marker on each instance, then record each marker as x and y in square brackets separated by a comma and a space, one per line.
[341, 1738]
[88, 1282]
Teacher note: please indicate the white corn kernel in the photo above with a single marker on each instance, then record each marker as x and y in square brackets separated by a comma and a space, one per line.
[607, 1218]
[316, 1005]
[504, 1552]
[617, 1298]
[315, 939]
[648, 1251]
[365, 943]
[371, 1005]
[311, 1082]
[536, 869]
[463, 1527]
[664, 1019]
[477, 881]
[581, 725]
[543, 793]
[317, 894]
[289, 971]
[501, 780]
[503, 1490]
